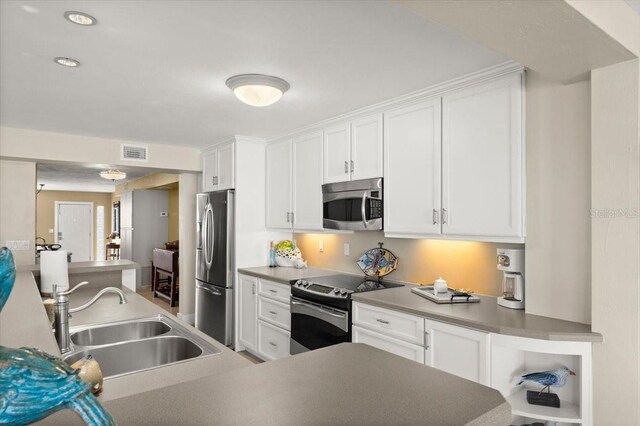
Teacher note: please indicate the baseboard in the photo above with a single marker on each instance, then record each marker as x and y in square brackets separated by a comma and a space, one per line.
[190, 318]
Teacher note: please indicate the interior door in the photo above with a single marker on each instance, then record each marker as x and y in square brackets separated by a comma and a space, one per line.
[412, 165]
[75, 230]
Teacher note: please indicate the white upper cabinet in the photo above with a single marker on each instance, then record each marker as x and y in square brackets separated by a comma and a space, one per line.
[337, 143]
[278, 194]
[307, 182]
[412, 140]
[353, 150]
[482, 160]
[294, 183]
[366, 148]
[218, 167]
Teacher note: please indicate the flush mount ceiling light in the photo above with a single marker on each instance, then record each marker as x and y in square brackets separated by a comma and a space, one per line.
[113, 174]
[80, 18]
[258, 90]
[66, 62]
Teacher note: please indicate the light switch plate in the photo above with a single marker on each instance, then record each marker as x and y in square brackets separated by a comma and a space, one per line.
[346, 249]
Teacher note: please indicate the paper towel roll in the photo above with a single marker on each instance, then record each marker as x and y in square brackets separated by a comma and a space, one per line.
[53, 270]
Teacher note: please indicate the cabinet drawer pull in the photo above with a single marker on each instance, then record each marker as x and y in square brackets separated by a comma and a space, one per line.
[273, 344]
[273, 312]
[382, 321]
[273, 291]
[346, 167]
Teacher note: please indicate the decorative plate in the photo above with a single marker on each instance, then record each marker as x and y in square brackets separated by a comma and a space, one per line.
[378, 262]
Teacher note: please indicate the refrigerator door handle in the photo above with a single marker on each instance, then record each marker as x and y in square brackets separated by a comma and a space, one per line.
[208, 236]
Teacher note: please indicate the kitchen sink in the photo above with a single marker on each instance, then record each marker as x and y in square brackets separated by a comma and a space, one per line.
[130, 346]
[121, 332]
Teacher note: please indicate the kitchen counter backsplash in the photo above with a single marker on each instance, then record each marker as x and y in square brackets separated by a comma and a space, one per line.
[466, 264]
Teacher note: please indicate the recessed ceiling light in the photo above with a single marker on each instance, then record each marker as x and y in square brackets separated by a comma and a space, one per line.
[80, 18]
[258, 90]
[67, 62]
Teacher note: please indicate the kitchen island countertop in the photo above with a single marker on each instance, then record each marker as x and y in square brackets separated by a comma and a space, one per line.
[286, 275]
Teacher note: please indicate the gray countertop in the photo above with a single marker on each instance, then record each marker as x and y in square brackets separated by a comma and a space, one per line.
[343, 384]
[486, 315]
[286, 275]
[347, 384]
[84, 267]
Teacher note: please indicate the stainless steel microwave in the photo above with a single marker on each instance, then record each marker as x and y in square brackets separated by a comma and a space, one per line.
[355, 205]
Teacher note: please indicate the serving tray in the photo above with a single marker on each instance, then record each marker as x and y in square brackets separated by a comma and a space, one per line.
[451, 296]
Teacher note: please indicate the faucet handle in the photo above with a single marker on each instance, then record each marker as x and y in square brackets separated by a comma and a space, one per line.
[68, 292]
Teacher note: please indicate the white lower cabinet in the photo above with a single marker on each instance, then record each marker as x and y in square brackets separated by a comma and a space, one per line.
[273, 342]
[264, 317]
[389, 344]
[458, 350]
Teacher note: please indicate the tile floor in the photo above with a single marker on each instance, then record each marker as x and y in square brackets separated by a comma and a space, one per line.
[158, 301]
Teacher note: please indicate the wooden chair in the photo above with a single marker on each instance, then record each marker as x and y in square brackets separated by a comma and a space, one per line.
[165, 263]
[113, 251]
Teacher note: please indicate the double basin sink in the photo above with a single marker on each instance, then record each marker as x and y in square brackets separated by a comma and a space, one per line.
[135, 345]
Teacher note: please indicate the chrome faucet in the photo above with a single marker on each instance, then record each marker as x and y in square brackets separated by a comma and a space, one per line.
[62, 311]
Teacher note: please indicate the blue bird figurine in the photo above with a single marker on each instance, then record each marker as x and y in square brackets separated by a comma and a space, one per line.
[556, 378]
[34, 384]
[7, 275]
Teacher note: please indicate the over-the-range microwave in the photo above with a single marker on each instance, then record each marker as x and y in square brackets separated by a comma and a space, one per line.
[354, 205]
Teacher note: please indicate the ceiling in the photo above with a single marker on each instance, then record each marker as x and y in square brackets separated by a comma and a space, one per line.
[71, 177]
[155, 71]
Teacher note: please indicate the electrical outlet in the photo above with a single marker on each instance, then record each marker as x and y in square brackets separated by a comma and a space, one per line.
[321, 246]
[346, 249]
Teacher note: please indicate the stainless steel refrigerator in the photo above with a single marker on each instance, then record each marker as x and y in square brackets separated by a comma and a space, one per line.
[215, 265]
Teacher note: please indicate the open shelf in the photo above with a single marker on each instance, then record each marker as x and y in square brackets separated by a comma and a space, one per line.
[567, 413]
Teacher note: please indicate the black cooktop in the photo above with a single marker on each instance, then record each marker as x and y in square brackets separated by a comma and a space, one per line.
[354, 283]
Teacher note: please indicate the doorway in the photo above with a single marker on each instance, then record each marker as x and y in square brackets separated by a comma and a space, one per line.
[74, 228]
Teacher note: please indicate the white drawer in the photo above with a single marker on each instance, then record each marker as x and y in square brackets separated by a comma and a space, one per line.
[389, 344]
[277, 291]
[273, 342]
[274, 312]
[409, 328]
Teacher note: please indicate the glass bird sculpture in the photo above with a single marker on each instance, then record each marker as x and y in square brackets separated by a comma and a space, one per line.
[34, 384]
[556, 378]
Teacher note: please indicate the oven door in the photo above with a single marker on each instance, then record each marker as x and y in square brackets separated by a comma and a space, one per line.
[315, 326]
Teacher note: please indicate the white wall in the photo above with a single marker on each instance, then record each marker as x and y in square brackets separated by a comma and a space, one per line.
[615, 229]
[558, 248]
[187, 235]
[18, 207]
[48, 146]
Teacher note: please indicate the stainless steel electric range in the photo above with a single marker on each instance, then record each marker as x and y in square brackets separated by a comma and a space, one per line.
[321, 309]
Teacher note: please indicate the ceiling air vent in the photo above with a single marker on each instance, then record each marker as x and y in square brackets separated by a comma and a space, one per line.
[134, 152]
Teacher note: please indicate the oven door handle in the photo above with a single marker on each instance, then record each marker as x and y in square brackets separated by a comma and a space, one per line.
[318, 309]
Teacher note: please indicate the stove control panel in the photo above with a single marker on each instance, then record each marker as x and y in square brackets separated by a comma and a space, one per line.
[323, 290]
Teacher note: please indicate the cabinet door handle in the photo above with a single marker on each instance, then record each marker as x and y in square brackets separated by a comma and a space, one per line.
[273, 344]
[346, 167]
[427, 340]
[353, 166]
[445, 216]
[292, 216]
[253, 289]
[273, 312]
[382, 321]
[288, 217]
[435, 216]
